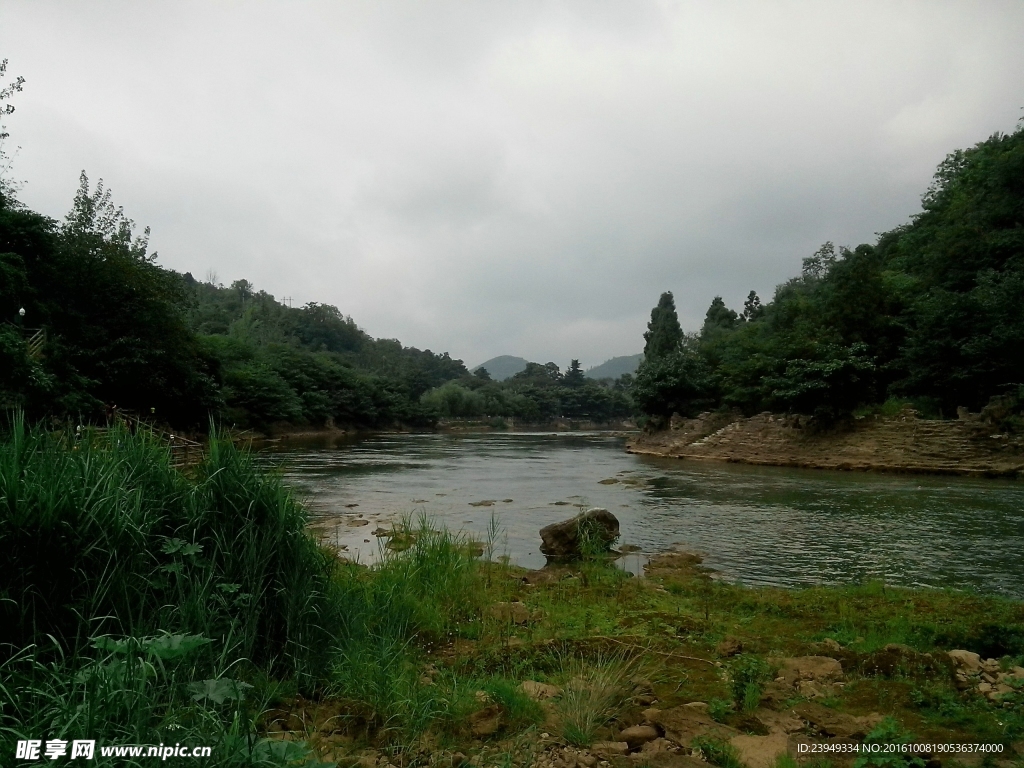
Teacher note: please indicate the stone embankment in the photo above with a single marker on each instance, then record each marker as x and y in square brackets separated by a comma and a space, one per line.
[903, 443]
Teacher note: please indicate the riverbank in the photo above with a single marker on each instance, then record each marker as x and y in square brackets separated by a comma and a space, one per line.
[901, 443]
[192, 605]
[579, 665]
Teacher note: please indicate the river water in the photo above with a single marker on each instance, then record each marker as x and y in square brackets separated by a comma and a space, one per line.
[756, 525]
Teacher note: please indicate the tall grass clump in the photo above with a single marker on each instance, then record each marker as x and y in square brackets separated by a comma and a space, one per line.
[593, 694]
[101, 535]
[134, 594]
[408, 599]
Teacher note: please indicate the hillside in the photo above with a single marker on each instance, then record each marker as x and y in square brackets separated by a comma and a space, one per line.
[615, 367]
[503, 367]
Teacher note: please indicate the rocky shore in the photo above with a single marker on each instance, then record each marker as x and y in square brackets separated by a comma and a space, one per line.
[901, 443]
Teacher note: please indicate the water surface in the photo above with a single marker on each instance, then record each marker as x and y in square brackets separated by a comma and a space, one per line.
[756, 525]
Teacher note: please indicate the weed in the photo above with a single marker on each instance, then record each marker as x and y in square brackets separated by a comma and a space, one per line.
[888, 732]
[717, 752]
[748, 675]
[592, 694]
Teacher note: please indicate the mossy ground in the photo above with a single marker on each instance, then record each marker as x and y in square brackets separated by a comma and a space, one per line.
[678, 629]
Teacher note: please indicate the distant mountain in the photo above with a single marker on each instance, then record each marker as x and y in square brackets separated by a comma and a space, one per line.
[503, 366]
[612, 369]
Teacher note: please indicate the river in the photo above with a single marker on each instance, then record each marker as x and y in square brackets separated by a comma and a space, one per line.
[756, 525]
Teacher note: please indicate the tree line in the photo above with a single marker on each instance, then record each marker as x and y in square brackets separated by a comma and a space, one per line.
[538, 393]
[121, 331]
[931, 315]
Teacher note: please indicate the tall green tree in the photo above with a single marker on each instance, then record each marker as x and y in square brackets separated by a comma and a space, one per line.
[664, 334]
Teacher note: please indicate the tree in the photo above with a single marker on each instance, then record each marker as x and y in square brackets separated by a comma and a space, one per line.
[7, 187]
[676, 383]
[482, 373]
[752, 308]
[574, 378]
[718, 318]
[664, 334]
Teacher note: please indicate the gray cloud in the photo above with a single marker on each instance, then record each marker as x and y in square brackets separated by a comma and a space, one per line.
[520, 178]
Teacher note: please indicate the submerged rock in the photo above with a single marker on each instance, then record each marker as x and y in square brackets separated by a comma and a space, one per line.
[565, 540]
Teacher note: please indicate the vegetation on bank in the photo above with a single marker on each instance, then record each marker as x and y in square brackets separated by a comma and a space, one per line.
[144, 604]
[932, 314]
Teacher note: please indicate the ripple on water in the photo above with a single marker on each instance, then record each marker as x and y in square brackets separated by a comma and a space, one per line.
[758, 525]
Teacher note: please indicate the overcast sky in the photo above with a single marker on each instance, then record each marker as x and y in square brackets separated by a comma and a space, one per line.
[508, 177]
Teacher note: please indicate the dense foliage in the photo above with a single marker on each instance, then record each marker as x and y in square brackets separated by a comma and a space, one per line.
[932, 313]
[120, 330]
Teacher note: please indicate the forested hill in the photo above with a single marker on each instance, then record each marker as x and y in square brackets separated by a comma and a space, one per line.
[931, 315]
[122, 330]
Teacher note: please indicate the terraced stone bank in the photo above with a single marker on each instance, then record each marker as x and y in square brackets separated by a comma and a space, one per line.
[904, 443]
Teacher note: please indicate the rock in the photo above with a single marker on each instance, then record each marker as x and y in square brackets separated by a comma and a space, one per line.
[638, 735]
[588, 761]
[683, 724]
[829, 644]
[998, 691]
[610, 749]
[760, 751]
[778, 722]
[608, 481]
[966, 660]
[814, 668]
[657, 745]
[484, 503]
[562, 540]
[459, 760]
[356, 522]
[485, 722]
[730, 647]
[829, 723]
[539, 691]
[667, 759]
[514, 612]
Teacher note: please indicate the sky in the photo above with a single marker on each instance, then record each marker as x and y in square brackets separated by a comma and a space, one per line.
[488, 178]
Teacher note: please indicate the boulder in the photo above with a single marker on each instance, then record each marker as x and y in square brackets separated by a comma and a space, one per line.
[562, 540]
[832, 724]
[967, 661]
[683, 724]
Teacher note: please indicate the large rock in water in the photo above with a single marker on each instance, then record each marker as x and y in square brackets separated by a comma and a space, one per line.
[563, 540]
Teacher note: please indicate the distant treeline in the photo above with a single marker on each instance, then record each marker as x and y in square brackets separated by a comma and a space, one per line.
[931, 315]
[538, 393]
[120, 330]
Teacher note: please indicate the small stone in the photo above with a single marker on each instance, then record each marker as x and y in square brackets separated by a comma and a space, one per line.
[610, 749]
[984, 687]
[586, 760]
[731, 646]
[486, 721]
[638, 735]
[831, 644]
[514, 612]
[539, 691]
[458, 760]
